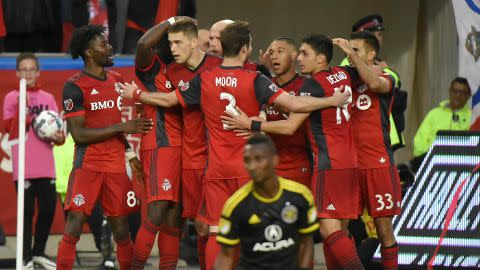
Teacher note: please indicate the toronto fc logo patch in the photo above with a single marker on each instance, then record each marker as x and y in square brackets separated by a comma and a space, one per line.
[68, 104]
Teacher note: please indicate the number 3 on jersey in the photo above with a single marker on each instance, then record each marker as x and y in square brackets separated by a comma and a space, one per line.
[230, 106]
[344, 109]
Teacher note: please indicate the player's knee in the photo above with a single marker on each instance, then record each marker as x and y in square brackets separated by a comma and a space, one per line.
[74, 224]
[329, 226]
[156, 212]
[202, 228]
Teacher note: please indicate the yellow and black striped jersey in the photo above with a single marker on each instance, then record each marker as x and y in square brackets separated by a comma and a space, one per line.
[268, 229]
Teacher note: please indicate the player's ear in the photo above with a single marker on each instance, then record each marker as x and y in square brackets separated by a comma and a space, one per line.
[275, 160]
[294, 56]
[372, 54]
[321, 58]
[88, 53]
[194, 42]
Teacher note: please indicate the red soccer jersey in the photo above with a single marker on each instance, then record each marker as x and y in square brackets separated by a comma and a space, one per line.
[99, 101]
[292, 150]
[194, 142]
[329, 130]
[168, 121]
[371, 126]
[220, 89]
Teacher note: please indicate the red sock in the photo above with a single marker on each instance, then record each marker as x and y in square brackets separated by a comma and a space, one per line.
[143, 244]
[66, 252]
[201, 245]
[343, 249]
[330, 260]
[389, 257]
[124, 253]
[211, 251]
[168, 247]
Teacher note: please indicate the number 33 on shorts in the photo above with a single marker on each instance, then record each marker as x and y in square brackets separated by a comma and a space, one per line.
[384, 202]
[132, 200]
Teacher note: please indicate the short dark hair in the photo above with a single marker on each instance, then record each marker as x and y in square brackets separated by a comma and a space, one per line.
[262, 139]
[234, 37]
[27, 55]
[82, 37]
[288, 40]
[321, 44]
[461, 80]
[369, 38]
[185, 26]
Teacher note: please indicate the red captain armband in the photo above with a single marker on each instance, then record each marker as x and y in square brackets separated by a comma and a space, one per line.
[136, 95]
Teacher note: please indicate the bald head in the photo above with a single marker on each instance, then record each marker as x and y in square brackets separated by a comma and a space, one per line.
[214, 40]
[203, 37]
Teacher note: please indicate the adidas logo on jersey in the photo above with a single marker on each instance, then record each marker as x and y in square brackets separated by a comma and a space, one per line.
[166, 184]
[94, 92]
[331, 207]
[382, 160]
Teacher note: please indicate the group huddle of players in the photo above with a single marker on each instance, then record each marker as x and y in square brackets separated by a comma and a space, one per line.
[330, 126]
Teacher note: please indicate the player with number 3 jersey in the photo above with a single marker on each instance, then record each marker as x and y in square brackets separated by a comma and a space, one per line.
[223, 89]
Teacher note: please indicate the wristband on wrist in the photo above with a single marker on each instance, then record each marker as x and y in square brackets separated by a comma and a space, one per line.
[256, 125]
[136, 95]
[171, 20]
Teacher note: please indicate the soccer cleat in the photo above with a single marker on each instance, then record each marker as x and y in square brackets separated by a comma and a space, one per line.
[28, 265]
[108, 264]
[45, 262]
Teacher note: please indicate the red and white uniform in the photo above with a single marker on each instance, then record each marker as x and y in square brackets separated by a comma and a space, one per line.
[294, 154]
[161, 150]
[99, 170]
[217, 90]
[380, 183]
[194, 140]
[335, 179]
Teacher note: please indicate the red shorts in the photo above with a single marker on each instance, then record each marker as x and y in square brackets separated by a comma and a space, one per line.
[299, 175]
[192, 190]
[337, 193]
[162, 167]
[216, 193]
[381, 191]
[114, 190]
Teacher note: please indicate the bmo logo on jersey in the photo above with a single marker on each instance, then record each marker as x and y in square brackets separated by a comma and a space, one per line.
[106, 104]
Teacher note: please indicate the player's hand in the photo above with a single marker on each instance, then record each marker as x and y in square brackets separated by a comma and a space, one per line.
[247, 133]
[234, 121]
[340, 99]
[137, 170]
[140, 109]
[58, 138]
[376, 69]
[382, 64]
[127, 89]
[344, 45]
[138, 125]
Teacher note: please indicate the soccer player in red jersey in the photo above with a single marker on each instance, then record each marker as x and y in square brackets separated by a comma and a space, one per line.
[160, 155]
[92, 105]
[220, 89]
[335, 181]
[294, 162]
[380, 183]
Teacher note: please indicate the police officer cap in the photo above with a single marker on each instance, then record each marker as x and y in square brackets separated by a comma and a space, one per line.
[369, 23]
